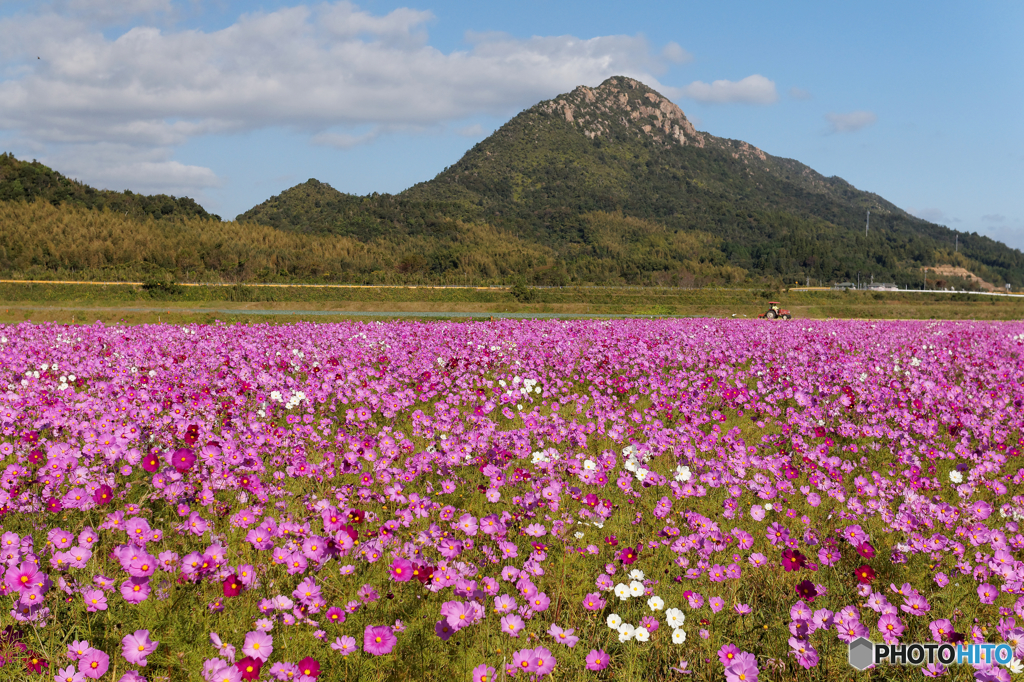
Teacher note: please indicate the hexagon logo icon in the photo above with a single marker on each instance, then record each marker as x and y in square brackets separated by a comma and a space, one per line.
[862, 653]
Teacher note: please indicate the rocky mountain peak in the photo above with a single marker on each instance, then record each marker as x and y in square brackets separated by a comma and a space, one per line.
[629, 103]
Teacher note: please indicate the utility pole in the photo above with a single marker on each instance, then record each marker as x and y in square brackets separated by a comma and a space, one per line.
[867, 224]
[956, 248]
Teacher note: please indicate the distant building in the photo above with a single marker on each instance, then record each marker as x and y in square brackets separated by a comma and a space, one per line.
[844, 285]
[882, 287]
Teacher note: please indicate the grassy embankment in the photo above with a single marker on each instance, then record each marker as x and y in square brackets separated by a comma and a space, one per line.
[112, 303]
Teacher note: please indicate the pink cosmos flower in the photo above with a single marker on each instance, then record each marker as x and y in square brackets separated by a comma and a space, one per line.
[258, 644]
[728, 653]
[940, 629]
[95, 600]
[743, 669]
[459, 614]
[521, 660]
[565, 636]
[69, 674]
[597, 660]
[806, 655]
[227, 673]
[541, 662]
[539, 602]
[378, 640]
[593, 602]
[135, 590]
[137, 646]
[483, 673]
[23, 577]
[511, 625]
[504, 604]
[891, 626]
[94, 664]
[345, 645]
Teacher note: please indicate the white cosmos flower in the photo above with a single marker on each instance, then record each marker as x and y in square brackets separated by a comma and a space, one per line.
[641, 634]
[656, 603]
[674, 618]
[589, 464]
[626, 632]
[683, 474]
[678, 636]
[636, 574]
[614, 621]
[956, 476]
[636, 588]
[622, 592]
[1015, 666]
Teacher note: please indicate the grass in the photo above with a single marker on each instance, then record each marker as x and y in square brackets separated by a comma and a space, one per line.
[18, 300]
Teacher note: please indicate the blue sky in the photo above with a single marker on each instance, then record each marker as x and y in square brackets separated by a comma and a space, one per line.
[232, 102]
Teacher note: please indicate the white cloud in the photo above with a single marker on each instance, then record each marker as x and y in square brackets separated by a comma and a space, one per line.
[754, 89]
[676, 54]
[474, 130]
[119, 166]
[327, 70]
[994, 218]
[799, 93]
[312, 69]
[851, 122]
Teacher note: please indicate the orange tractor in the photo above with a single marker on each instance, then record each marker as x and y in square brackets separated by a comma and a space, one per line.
[774, 312]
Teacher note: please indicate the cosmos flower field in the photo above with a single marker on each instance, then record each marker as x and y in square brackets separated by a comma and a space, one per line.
[565, 500]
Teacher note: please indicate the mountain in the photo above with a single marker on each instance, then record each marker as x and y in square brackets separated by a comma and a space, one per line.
[28, 181]
[569, 173]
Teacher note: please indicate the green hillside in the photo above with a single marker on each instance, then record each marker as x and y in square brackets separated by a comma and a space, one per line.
[605, 185]
[28, 181]
[623, 149]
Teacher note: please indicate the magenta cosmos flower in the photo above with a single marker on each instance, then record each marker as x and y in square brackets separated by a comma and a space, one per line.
[309, 666]
[103, 495]
[137, 646]
[378, 640]
[182, 460]
[232, 586]
[401, 570]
